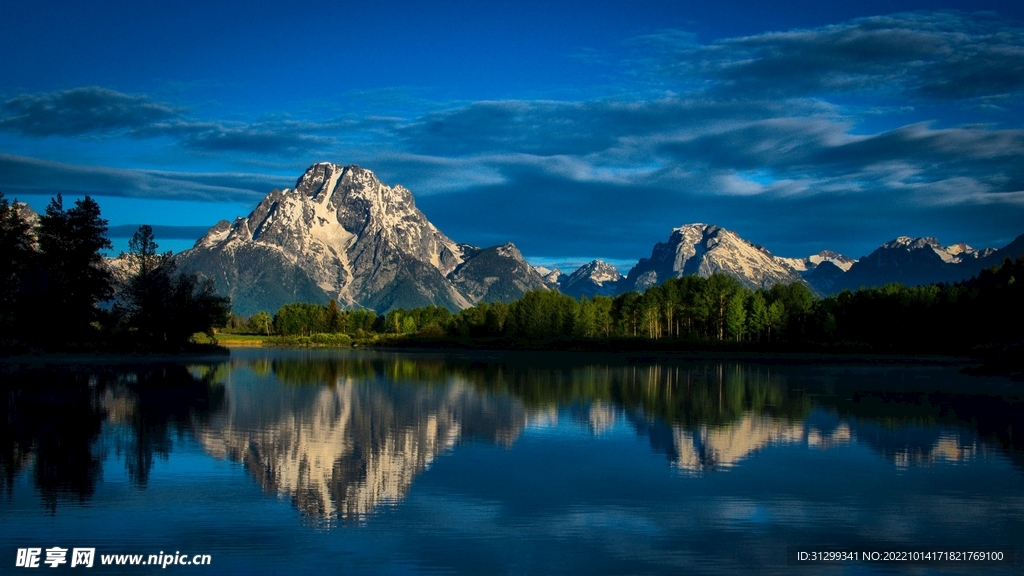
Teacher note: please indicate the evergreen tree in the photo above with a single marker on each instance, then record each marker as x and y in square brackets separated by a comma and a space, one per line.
[161, 310]
[75, 279]
[17, 255]
[776, 318]
[334, 321]
[720, 289]
[142, 251]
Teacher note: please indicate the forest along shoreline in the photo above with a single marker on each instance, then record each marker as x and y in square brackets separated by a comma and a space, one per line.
[140, 304]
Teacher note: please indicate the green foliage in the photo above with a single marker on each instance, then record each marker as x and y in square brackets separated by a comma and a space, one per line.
[317, 340]
[736, 316]
[261, 323]
[757, 319]
[938, 318]
[302, 319]
[542, 314]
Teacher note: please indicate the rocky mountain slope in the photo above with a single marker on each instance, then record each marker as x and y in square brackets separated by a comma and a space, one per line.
[914, 261]
[705, 249]
[341, 233]
[595, 277]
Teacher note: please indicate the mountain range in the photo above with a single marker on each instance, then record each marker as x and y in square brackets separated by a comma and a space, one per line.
[342, 234]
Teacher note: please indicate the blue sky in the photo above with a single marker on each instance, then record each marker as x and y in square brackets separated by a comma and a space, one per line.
[577, 130]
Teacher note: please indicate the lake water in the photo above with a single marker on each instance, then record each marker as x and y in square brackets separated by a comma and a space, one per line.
[353, 462]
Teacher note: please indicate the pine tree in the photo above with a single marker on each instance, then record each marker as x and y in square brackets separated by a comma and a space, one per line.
[75, 280]
[17, 256]
[161, 310]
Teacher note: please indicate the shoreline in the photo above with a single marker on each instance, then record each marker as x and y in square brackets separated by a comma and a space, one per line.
[107, 357]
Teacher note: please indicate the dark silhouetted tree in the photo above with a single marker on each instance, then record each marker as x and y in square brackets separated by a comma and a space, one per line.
[75, 279]
[161, 310]
[17, 256]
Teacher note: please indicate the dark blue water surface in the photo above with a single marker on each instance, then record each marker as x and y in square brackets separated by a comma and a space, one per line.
[351, 462]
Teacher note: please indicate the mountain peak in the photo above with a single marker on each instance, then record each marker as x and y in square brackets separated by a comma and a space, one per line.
[908, 243]
[593, 278]
[705, 249]
[343, 234]
[597, 271]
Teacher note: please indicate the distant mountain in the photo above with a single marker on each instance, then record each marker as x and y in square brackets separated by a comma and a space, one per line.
[995, 258]
[917, 261]
[553, 277]
[805, 265]
[705, 249]
[495, 274]
[595, 277]
[824, 277]
[341, 233]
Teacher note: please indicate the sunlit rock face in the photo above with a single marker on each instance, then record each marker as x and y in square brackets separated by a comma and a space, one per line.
[704, 249]
[595, 277]
[342, 234]
[343, 449]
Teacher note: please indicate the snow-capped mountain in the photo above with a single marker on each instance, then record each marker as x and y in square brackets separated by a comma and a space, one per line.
[341, 233]
[595, 277]
[705, 249]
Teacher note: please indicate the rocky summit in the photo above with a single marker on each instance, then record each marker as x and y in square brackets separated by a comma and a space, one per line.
[340, 233]
[916, 261]
[593, 278]
[705, 249]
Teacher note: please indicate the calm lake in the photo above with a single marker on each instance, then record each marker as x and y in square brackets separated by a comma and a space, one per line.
[356, 462]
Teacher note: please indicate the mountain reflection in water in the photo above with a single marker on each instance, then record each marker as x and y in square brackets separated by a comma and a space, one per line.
[342, 435]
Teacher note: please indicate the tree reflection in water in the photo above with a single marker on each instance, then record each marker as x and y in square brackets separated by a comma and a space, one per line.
[342, 434]
[55, 418]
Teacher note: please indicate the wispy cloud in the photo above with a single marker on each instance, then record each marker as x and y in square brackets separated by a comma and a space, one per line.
[82, 111]
[23, 175]
[930, 55]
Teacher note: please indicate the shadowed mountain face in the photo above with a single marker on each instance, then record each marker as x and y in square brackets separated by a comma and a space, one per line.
[596, 277]
[912, 261]
[342, 234]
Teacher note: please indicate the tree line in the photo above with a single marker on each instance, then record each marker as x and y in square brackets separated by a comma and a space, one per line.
[59, 293]
[967, 317]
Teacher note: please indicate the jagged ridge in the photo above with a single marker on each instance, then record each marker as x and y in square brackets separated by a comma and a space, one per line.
[341, 233]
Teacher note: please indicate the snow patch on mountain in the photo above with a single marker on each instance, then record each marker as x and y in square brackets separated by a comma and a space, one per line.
[705, 249]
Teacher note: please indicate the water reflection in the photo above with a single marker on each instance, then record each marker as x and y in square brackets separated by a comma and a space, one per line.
[343, 435]
[62, 419]
[348, 436]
